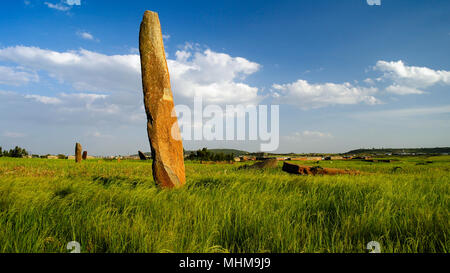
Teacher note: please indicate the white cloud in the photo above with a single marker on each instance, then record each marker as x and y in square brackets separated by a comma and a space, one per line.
[316, 134]
[410, 79]
[134, 50]
[57, 6]
[84, 96]
[85, 35]
[403, 90]
[7, 93]
[16, 76]
[44, 99]
[403, 113]
[85, 70]
[108, 88]
[216, 77]
[75, 108]
[69, 101]
[308, 135]
[306, 95]
[63, 5]
[98, 134]
[73, 2]
[369, 81]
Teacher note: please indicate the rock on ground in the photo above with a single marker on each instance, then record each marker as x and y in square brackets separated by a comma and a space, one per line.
[266, 164]
[314, 170]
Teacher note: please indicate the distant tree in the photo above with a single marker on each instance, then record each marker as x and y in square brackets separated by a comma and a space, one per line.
[61, 156]
[1, 152]
[206, 155]
[16, 152]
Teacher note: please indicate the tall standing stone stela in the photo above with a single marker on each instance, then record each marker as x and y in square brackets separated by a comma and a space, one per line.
[77, 152]
[162, 127]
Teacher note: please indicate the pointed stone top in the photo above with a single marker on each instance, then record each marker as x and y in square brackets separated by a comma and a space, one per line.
[149, 12]
[150, 16]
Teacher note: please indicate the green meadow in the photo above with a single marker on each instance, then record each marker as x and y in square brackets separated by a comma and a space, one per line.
[110, 206]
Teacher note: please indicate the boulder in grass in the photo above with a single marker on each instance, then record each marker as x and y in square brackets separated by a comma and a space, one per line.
[314, 170]
[266, 164]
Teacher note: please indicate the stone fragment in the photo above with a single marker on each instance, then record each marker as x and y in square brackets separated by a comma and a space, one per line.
[142, 156]
[84, 156]
[314, 170]
[162, 126]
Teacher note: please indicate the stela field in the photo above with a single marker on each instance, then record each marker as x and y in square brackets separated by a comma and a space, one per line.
[110, 206]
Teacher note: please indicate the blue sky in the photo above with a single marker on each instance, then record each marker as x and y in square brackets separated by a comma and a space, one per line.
[345, 74]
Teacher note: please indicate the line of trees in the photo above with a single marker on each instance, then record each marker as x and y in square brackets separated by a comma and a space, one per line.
[206, 155]
[16, 152]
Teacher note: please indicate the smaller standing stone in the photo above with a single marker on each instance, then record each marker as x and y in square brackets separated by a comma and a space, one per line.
[78, 152]
[84, 155]
[142, 155]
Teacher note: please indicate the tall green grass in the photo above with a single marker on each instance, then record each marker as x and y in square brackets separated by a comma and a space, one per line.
[115, 207]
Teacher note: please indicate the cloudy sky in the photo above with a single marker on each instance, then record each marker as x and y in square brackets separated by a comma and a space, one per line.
[346, 74]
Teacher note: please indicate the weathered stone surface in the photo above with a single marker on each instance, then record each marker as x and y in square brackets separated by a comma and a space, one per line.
[266, 164]
[162, 127]
[78, 152]
[84, 156]
[314, 170]
[142, 156]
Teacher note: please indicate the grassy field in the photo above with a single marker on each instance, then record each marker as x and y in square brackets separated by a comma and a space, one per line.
[111, 206]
